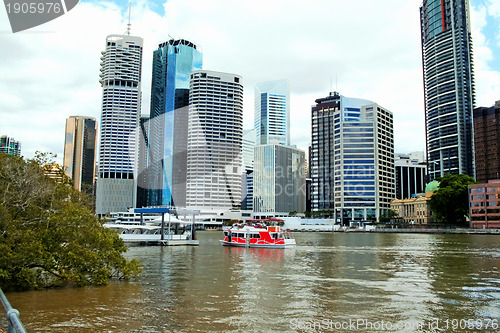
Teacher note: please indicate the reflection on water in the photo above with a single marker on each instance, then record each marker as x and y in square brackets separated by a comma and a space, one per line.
[329, 282]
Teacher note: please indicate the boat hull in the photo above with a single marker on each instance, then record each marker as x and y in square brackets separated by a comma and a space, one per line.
[269, 246]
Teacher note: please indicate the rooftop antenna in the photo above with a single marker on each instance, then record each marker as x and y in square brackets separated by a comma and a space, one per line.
[128, 24]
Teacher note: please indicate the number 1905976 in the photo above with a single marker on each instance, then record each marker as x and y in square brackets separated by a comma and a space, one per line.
[34, 7]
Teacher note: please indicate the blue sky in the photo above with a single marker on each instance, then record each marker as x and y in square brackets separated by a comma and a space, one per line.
[491, 29]
[359, 48]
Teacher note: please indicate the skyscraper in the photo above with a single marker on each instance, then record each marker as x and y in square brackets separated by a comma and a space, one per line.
[410, 176]
[448, 86]
[143, 172]
[10, 146]
[173, 63]
[215, 140]
[487, 142]
[121, 63]
[79, 152]
[279, 180]
[248, 169]
[352, 158]
[272, 112]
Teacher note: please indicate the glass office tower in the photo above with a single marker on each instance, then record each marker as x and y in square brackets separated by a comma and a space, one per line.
[272, 112]
[352, 158]
[80, 144]
[173, 63]
[248, 146]
[448, 86]
[279, 180]
[10, 146]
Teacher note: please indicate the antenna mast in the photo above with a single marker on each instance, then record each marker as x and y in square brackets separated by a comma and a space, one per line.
[128, 24]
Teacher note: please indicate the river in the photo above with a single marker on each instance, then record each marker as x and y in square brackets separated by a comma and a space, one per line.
[330, 282]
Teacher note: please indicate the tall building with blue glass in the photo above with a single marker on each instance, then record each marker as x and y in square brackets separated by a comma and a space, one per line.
[448, 86]
[173, 63]
[352, 158]
[272, 112]
[9, 146]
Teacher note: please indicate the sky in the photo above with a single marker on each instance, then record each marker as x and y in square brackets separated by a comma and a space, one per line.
[358, 48]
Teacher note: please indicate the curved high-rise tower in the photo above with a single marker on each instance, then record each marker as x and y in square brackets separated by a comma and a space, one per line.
[121, 109]
[448, 86]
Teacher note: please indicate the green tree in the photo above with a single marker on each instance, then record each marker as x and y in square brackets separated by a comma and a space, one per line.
[450, 203]
[49, 235]
[388, 215]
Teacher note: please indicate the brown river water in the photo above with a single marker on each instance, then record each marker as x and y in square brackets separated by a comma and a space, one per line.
[330, 282]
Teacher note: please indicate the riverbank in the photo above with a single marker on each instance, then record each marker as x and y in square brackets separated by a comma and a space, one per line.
[429, 231]
[403, 230]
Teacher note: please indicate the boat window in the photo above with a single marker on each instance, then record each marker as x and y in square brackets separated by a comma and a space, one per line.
[273, 235]
[225, 233]
[255, 236]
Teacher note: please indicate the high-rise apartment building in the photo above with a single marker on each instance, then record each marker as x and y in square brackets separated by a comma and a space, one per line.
[173, 63]
[352, 158]
[487, 142]
[121, 63]
[448, 86]
[279, 180]
[272, 112]
[80, 144]
[215, 140]
[10, 146]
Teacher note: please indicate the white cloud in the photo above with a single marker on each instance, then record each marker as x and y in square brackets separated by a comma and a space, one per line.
[359, 47]
[487, 79]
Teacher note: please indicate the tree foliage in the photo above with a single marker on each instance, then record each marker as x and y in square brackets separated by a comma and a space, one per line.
[49, 235]
[450, 203]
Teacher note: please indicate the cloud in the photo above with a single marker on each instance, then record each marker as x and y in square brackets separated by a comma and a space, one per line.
[359, 48]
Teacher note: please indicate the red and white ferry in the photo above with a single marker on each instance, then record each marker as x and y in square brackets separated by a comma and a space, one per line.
[258, 233]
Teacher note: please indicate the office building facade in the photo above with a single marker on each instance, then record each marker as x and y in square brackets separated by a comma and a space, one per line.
[279, 180]
[248, 169]
[121, 63]
[214, 147]
[410, 176]
[352, 158]
[448, 86]
[484, 203]
[144, 177]
[173, 63]
[272, 112]
[9, 146]
[487, 142]
[80, 145]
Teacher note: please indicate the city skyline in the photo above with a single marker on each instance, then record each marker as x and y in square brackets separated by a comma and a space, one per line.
[314, 57]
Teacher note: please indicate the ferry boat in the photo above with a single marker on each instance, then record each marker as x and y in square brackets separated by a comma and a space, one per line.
[258, 233]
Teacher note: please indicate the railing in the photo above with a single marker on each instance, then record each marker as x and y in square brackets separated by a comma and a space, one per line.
[15, 325]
